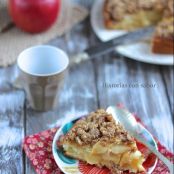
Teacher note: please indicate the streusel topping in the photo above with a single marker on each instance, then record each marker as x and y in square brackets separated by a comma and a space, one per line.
[98, 126]
[166, 28]
[117, 9]
[169, 11]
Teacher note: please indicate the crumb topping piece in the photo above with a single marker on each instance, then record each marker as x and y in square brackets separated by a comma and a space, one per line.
[166, 28]
[98, 126]
[117, 9]
[169, 11]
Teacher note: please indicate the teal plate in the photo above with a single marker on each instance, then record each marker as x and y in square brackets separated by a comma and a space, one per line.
[71, 166]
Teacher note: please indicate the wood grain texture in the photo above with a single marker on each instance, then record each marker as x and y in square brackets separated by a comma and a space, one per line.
[11, 126]
[143, 88]
[168, 77]
[86, 3]
[149, 103]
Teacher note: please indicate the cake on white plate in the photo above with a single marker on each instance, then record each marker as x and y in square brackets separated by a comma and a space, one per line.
[133, 14]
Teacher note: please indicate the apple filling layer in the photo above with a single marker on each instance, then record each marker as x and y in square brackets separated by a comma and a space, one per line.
[137, 20]
[132, 14]
[122, 156]
[98, 140]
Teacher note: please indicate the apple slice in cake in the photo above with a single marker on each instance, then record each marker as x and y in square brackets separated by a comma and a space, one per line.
[132, 14]
[98, 140]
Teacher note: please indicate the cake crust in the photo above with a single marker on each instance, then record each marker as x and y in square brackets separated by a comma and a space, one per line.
[98, 140]
[161, 45]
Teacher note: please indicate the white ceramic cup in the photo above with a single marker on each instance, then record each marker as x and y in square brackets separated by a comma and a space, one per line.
[42, 69]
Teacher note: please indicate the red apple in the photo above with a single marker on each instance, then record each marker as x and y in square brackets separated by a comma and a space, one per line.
[34, 15]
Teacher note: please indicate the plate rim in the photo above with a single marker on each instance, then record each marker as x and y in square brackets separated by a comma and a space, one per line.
[120, 50]
[54, 145]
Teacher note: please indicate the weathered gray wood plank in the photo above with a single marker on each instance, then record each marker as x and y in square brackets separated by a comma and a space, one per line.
[168, 76]
[78, 96]
[86, 3]
[150, 103]
[11, 124]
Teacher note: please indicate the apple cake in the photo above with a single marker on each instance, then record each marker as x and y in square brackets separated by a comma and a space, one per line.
[163, 40]
[133, 14]
[98, 140]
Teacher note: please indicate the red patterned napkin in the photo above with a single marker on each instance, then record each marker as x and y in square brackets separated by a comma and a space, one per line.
[38, 148]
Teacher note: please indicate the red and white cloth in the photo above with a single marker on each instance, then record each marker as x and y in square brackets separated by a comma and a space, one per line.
[38, 148]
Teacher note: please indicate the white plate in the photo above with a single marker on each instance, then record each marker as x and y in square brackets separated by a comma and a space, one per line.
[68, 165]
[141, 51]
[138, 51]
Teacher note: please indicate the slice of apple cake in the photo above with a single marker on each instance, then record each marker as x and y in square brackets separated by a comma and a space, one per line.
[98, 140]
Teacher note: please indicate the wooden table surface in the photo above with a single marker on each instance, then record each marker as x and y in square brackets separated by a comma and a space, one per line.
[149, 93]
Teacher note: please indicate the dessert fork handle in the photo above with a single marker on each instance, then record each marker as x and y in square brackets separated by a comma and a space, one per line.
[167, 162]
